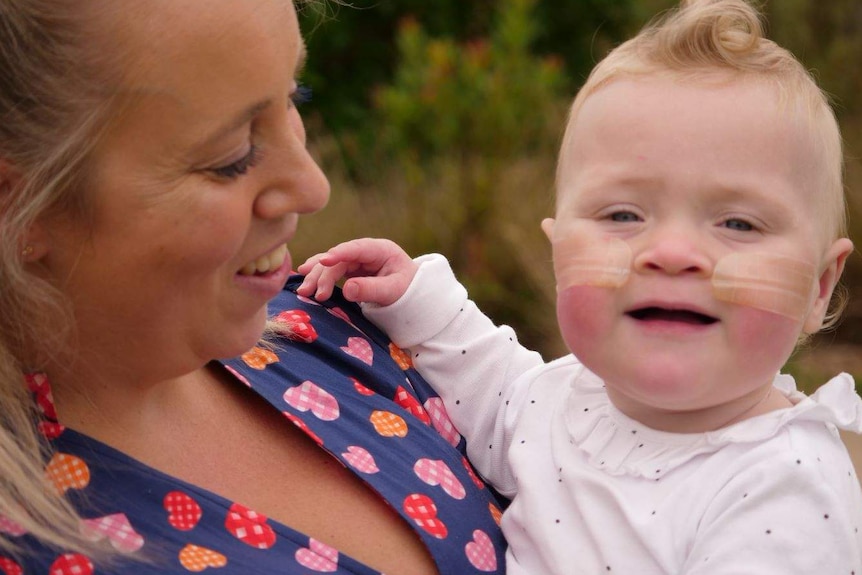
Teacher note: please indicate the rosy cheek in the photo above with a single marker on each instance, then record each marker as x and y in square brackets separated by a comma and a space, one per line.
[767, 339]
[584, 317]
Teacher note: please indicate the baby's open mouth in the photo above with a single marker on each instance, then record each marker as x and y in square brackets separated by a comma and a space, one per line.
[672, 315]
[265, 263]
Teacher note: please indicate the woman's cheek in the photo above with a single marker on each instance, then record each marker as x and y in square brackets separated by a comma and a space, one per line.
[584, 314]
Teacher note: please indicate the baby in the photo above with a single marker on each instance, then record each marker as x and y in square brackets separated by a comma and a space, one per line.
[699, 235]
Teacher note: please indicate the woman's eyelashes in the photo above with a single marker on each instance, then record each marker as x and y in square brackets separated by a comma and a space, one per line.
[301, 95]
[240, 167]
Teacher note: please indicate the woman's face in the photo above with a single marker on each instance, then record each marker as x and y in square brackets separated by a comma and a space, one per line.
[196, 189]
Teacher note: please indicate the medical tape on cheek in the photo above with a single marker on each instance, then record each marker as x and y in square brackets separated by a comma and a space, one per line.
[773, 283]
[603, 263]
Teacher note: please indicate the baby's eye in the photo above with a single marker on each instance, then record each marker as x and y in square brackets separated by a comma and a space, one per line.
[624, 217]
[738, 225]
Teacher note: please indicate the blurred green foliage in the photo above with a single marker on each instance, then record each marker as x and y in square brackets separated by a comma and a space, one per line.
[438, 124]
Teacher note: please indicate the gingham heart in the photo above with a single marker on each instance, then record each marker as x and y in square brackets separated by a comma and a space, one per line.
[10, 527]
[67, 472]
[295, 324]
[359, 348]
[39, 385]
[436, 472]
[183, 511]
[318, 557]
[249, 527]
[441, 422]
[71, 564]
[411, 404]
[340, 313]
[258, 358]
[197, 559]
[116, 529]
[361, 389]
[422, 510]
[475, 478]
[308, 396]
[480, 552]
[301, 424]
[360, 460]
[9, 567]
[238, 375]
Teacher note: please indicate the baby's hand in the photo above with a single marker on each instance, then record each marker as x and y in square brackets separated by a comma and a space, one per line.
[379, 271]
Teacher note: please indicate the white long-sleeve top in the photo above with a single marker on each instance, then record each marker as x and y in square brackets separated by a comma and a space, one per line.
[595, 492]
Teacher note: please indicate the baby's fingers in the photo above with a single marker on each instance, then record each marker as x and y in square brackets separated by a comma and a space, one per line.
[320, 281]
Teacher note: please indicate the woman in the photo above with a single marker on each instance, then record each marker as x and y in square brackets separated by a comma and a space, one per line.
[152, 169]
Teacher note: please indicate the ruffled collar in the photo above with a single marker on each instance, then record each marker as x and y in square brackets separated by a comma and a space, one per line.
[620, 445]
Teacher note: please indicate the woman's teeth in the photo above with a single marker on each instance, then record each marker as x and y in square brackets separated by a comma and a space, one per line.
[266, 263]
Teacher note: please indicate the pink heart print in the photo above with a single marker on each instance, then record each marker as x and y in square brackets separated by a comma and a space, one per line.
[412, 405]
[476, 481]
[249, 527]
[116, 529]
[436, 472]
[308, 396]
[359, 348]
[422, 510]
[480, 552]
[9, 567]
[360, 460]
[318, 557]
[441, 422]
[183, 511]
[340, 313]
[71, 564]
[10, 527]
[238, 375]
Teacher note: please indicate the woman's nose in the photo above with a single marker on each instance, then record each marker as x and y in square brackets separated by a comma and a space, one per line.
[294, 182]
[673, 251]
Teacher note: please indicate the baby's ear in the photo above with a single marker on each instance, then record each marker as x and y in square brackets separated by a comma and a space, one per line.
[548, 227]
[833, 266]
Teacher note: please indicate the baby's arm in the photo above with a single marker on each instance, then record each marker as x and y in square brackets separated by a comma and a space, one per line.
[379, 271]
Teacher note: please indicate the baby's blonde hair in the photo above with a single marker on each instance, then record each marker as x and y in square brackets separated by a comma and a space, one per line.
[705, 39]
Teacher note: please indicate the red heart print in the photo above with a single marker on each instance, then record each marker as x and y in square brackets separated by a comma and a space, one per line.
[295, 324]
[359, 348]
[9, 567]
[39, 385]
[411, 404]
[318, 557]
[301, 424]
[308, 396]
[480, 552]
[183, 511]
[441, 422]
[50, 429]
[422, 510]
[476, 481]
[249, 527]
[116, 529]
[360, 460]
[197, 559]
[71, 564]
[436, 472]
[10, 527]
[361, 388]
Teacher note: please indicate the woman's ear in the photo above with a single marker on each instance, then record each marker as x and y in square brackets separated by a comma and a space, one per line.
[833, 266]
[33, 246]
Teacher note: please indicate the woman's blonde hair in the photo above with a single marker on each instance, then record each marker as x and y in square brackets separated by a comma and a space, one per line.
[54, 105]
[709, 40]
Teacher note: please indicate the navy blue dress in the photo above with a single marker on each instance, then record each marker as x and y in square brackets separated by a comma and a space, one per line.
[341, 380]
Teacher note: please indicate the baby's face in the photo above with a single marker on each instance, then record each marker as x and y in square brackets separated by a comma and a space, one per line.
[688, 244]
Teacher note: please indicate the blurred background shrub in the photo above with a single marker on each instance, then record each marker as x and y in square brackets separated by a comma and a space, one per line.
[439, 122]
